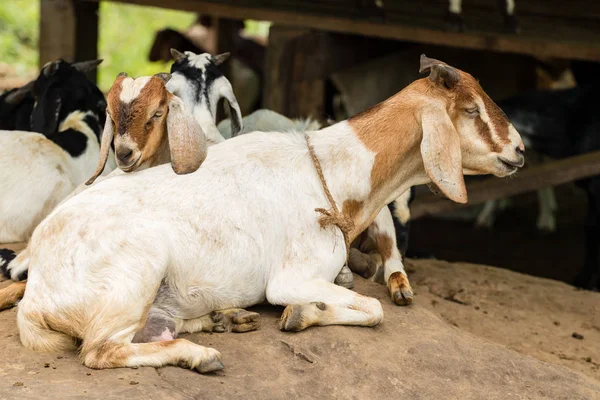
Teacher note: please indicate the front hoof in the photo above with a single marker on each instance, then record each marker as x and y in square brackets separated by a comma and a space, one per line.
[345, 278]
[293, 318]
[214, 363]
[400, 289]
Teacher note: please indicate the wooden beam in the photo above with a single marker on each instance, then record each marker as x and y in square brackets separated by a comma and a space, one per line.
[57, 30]
[86, 34]
[530, 179]
[577, 46]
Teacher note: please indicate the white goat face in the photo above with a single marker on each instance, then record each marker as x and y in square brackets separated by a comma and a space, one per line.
[198, 81]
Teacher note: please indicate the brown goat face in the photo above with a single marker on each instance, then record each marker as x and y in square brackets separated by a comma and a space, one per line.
[140, 107]
[464, 131]
[489, 142]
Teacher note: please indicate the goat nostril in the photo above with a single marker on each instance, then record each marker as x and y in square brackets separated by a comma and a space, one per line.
[520, 150]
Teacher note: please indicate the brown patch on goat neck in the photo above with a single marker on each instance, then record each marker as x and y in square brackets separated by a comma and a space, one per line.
[389, 129]
[385, 245]
[352, 208]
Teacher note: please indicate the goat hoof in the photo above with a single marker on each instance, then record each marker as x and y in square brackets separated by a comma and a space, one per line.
[345, 278]
[400, 289]
[292, 319]
[213, 364]
[235, 320]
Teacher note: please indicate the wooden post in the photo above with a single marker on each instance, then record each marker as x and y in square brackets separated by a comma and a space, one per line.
[68, 30]
[57, 30]
[225, 29]
[282, 92]
[86, 33]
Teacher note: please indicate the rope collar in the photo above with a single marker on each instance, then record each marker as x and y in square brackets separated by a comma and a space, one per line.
[332, 216]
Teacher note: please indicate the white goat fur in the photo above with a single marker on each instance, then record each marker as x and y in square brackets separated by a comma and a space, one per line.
[37, 174]
[269, 121]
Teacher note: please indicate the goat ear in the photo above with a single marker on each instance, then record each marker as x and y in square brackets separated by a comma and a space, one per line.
[86, 66]
[186, 139]
[163, 76]
[107, 138]
[440, 149]
[226, 91]
[439, 72]
[220, 58]
[177, 55]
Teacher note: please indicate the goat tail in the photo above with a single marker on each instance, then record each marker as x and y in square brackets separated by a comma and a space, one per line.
[38, 336]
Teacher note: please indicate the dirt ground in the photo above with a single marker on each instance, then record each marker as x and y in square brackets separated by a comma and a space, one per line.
[534, 316]
[412, 354]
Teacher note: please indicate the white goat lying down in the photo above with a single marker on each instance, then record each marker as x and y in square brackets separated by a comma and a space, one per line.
[242, 229]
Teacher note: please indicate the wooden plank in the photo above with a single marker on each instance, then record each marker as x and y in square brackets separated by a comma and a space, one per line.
[530, 179]
[86, 34]
[57, 30]
[280, 66]
[549, 43]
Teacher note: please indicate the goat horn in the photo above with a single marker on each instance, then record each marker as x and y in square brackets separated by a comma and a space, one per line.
[17, 96]
[220, 58]
[50, 68]
[438, 69]
[177, 55]
[87, 66]
[124, 74]
[163, 76]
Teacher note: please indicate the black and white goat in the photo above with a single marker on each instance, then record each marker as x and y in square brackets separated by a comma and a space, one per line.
[40, 167]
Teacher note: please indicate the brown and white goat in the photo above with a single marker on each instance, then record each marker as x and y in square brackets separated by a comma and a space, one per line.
[244, 248]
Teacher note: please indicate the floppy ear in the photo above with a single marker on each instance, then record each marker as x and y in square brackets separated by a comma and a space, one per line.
[235, 114]
[107, 138]
[186, 139]
[442, 158]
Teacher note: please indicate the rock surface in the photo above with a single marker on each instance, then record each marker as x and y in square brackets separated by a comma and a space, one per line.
[412, 354]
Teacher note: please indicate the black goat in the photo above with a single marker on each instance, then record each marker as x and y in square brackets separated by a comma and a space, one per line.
[559, 124]
[16, 105]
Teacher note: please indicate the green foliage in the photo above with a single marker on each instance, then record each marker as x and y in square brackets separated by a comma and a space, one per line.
[19, 31]
[126, 35]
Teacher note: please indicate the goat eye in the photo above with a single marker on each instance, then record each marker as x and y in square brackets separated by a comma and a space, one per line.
[472, 112]
[157, 114]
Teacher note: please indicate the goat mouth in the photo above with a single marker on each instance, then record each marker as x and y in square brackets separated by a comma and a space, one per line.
[131, 166]
[508, 168]
[512, 164]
